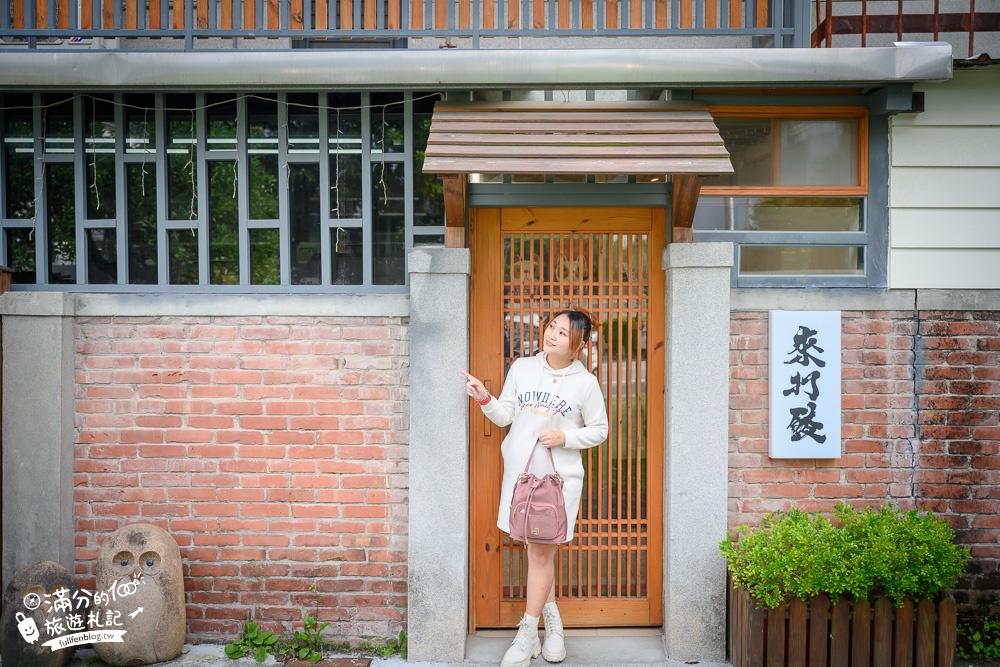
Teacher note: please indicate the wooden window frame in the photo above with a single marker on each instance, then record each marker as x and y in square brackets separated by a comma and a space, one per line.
[799, 113]
[859, 191]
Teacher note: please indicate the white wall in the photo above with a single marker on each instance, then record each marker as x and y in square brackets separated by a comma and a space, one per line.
[944, 187]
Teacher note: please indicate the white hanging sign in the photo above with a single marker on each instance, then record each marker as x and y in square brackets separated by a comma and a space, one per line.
[804, 384]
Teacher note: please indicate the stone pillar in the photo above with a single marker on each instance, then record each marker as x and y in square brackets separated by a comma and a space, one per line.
[438, 586]
[696, 412]
[38, 412]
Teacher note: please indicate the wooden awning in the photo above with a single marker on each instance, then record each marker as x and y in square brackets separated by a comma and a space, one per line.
[575, 138]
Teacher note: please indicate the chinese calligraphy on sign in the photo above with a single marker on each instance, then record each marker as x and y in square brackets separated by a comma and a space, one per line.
[804, 384]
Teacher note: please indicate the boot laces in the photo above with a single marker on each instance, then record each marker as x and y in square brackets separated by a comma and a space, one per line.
[525, 637]
[553, 624]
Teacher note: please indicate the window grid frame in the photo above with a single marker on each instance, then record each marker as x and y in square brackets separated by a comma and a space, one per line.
[200, 223]
[865, 239]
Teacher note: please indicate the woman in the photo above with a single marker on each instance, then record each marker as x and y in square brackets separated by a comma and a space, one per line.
[549, 399]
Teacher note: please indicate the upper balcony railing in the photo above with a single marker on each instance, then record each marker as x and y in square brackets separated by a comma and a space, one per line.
[760, 22]
[477, 23]
[866, 22]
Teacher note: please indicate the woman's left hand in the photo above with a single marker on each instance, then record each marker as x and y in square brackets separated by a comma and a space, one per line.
[552, 439]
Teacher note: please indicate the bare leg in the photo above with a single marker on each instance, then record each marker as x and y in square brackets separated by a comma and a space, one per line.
[541, 577]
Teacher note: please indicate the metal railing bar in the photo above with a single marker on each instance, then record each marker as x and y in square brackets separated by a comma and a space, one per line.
[188, 24]
[475, 24]
[675, 14]
[457, 32]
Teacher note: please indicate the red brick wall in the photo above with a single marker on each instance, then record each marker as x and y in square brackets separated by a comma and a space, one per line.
[272, 449]
[921, 393]
[958, 408]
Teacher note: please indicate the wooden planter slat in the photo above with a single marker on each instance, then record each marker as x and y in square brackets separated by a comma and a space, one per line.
[861, 626]
[812, 634]
[947, 633]
[925, 634]
[798, 619]
[756, 622]
[904, 634]
[882, 637]
[840, 634]
[776, 636]
[819, 624]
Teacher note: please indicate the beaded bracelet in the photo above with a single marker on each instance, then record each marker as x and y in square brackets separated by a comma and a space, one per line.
[484, 401]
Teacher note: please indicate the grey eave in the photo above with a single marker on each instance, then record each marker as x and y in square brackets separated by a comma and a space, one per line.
[472, 69]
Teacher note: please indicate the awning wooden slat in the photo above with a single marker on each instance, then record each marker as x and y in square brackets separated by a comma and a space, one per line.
[549, 165]
[575, 138]
[570, 126]
[706, 139]
[601, 151]
[649, 116]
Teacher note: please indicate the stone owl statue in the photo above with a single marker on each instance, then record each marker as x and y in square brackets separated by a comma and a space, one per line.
[140, 589]
[34, 612]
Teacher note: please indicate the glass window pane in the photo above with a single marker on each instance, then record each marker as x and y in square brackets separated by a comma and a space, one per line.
[21, 255]
[347, 258]
[819, 152]
[804, 152]
[345, 184]
[58, 115]
[428, 189]
[801, 260]
[141, 197]
[345, 156]
[221, 122]
[748, 141]
[387, 122]
[183, 247]
[182, 159]
[779, 214]
[223, 224]
[265, 257]
[303, 123]
[262, 146]
[140, 123]
[61, 223]
[428, 240]
[19, 148]
[99, 155]
[102, 259]
[388, 224]
[303, 197]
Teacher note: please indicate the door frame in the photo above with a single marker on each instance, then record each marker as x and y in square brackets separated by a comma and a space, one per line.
[487, 230]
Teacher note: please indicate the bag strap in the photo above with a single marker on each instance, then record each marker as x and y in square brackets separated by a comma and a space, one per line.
[551, 459]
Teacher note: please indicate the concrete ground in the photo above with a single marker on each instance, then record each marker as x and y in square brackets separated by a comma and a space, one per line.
[593, 648]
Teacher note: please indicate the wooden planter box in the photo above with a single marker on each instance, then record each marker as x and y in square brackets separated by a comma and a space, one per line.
[846, 634]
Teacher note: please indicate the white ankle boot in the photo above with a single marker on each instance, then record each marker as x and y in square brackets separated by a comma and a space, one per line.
[554, 648]
[526, 645]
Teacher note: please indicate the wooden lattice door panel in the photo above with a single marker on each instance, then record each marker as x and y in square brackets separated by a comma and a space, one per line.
[529, 263]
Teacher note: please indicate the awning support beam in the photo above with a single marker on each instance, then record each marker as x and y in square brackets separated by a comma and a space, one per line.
[687, 188]
[454, 210]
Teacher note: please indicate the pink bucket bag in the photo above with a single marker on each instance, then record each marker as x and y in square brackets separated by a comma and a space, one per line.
[538, 508]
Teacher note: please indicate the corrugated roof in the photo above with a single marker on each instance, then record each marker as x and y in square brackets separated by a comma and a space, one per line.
[575, 138]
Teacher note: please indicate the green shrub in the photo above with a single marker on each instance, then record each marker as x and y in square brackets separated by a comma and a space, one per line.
[863, 554]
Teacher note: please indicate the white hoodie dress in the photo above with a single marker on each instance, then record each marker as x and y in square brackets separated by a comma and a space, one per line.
[537, 398]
